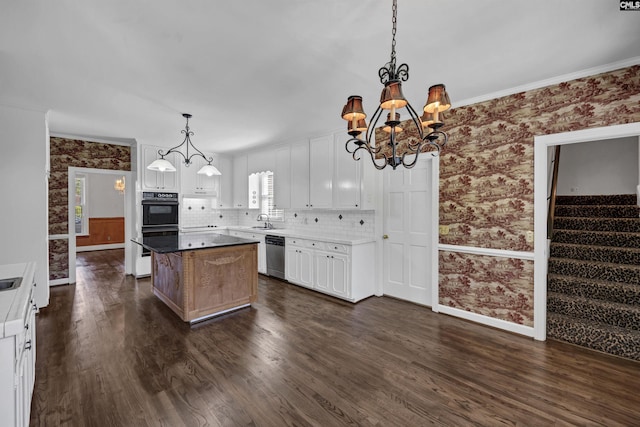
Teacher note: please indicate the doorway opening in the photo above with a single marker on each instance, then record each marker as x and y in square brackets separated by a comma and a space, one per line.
[543, 146]
[101, 208]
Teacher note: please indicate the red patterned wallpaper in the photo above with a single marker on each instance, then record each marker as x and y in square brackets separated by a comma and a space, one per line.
[77, 153]
[486, 183]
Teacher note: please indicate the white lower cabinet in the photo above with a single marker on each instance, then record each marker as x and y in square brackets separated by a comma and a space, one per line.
[331, 273]
[17, 375]
[340, 270]
[262, 247]
[298, 261]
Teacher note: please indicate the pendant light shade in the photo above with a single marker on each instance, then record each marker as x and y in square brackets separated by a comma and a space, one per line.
[161, 165]
[397, 128]
[361, 126]
[392, 96]
[353, 109]
[430, 120]
[438, 100]
[209, 170]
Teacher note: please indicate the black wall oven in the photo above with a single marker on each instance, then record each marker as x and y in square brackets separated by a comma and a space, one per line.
[159, 216]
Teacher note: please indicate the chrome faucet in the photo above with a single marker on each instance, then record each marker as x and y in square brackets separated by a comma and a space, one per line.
[264, 217]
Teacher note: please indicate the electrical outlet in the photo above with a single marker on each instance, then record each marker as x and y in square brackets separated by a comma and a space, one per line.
[443, 230]
[529, 236]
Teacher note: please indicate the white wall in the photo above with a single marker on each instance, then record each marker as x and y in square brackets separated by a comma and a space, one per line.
[103, 201]
[24, 141]
[599, 167]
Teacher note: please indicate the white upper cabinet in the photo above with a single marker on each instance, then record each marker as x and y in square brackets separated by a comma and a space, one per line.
[240, 182]
[225, 195]
[300, 175]
[347, 177]
[193, 183]
[282, 178]
[321, 159]
[152, 180]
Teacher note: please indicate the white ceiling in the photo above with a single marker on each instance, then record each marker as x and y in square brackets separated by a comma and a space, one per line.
[256, 72]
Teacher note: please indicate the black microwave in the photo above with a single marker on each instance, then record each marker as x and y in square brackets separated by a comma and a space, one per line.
[159, 209]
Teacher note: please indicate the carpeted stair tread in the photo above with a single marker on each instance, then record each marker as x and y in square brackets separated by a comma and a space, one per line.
[595, 270]
[600, 211]
[611, 313]
[595, 335]
[610, 199]
[610, 254]
[627, 225]
[597, 238]
[624, 293]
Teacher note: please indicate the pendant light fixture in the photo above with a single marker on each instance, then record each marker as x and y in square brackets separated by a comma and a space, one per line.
[162, 165]
[392, 100]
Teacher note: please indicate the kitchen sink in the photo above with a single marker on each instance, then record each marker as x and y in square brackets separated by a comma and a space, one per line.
[8, 284]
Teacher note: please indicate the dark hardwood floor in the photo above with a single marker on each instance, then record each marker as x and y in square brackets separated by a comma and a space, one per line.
[111, 354]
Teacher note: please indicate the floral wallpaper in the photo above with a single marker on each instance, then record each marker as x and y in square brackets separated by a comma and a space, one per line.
[74, 152]
[486, 182]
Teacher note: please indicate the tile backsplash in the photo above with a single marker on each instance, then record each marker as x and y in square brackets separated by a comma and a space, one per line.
[202, 212]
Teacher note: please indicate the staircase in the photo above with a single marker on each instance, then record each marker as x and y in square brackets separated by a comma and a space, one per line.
[593, 282]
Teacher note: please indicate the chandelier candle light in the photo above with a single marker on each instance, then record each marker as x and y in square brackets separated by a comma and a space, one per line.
[162, 165]
[392, 99]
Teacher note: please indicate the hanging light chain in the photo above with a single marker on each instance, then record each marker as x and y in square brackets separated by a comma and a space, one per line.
[393, 33]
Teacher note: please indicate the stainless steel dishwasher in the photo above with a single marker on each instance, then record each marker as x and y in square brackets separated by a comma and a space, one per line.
[275, 256]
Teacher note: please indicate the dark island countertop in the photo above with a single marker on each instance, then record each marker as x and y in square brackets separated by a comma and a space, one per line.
[190, 242]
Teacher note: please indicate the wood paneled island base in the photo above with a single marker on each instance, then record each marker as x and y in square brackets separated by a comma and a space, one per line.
[202, 283]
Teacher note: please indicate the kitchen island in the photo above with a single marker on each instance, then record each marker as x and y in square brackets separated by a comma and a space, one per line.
[201, 275]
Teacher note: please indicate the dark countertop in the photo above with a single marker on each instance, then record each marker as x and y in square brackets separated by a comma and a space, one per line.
[190, 242]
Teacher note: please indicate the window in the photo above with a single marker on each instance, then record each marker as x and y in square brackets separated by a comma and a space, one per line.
[267, 199]
[261, 193]
[80, 206]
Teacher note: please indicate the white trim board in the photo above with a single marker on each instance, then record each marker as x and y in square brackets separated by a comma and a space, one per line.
[486, 320]
[487, 252]
[99, 247]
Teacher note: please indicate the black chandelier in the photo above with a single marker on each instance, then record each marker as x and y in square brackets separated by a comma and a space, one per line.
[163, 165]
[392, 99]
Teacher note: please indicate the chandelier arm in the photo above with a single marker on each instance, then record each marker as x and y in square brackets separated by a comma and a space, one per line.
[434, 136]
[416, 119]
[199, 153]
[174, 150]
[363, 145]
[372, 124]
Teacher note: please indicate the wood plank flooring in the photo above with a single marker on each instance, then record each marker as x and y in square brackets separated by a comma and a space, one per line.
[109, 353]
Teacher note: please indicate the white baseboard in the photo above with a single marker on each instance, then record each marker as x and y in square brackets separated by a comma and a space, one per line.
[58, 282]
[99, 247]
[486, 320]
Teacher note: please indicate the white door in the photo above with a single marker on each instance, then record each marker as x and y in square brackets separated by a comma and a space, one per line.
[410, 227]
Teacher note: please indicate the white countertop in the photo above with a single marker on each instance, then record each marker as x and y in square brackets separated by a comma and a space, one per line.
[14, 303]
[324, 237]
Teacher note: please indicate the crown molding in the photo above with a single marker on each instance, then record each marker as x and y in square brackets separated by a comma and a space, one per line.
[550, 81]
